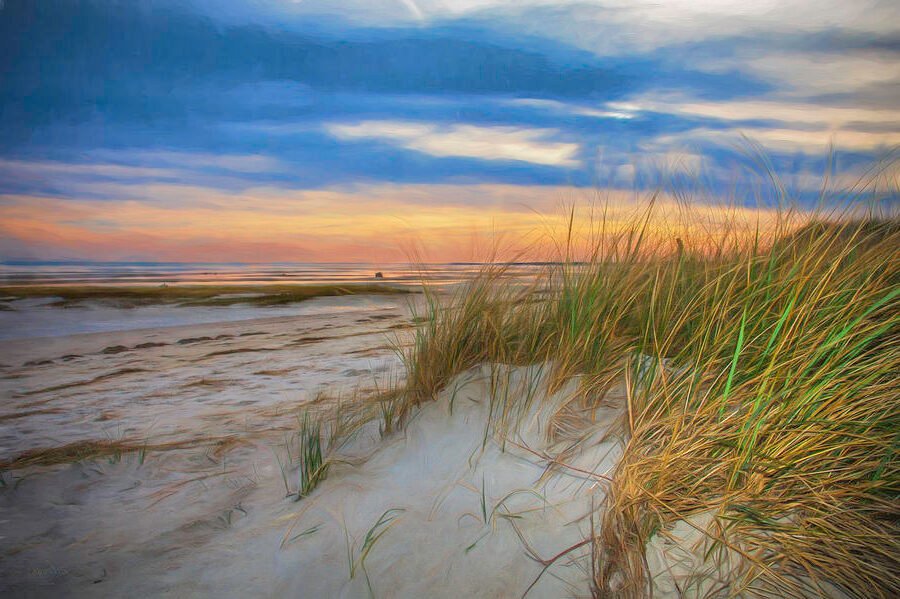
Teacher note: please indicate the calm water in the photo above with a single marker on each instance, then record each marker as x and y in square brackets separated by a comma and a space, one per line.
[36, 317]
[157, 273]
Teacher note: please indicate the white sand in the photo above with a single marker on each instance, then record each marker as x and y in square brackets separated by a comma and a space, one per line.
[199, 521]
[64, 526]
[235, 534]
[461, 515]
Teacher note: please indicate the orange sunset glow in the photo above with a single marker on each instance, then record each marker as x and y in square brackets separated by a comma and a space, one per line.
[386, 223]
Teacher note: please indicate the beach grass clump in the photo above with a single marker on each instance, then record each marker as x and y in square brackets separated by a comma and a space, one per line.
[772, 402]
[323, 430]
[451, 340]
[762, 365]
[313, 465]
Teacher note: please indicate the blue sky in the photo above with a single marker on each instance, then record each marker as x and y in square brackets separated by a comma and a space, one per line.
[249, 105]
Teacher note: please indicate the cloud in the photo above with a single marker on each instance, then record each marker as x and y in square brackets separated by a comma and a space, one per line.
[237, 163]
[616, 28]
[520, 92]
[683, 18]
[808, 74]
[573, 108]
[818, 142]
[485, 143]
[130, 169]
[802, 113]
[367, 223]
[94, 170]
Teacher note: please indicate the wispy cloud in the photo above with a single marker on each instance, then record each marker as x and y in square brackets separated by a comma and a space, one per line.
[116, 175]
[816, 142]
[486, 143]
[800, 113]
[43, 169]
[237, 163]
[575, 109]
[679, 18]
[808, 74]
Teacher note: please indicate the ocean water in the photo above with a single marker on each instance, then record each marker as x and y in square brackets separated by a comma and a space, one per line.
[158, 273]
[38, 318]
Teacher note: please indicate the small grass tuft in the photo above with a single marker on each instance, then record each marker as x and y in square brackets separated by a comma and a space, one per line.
[313, 465]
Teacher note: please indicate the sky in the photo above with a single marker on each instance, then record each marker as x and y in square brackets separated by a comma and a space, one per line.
[362, 130]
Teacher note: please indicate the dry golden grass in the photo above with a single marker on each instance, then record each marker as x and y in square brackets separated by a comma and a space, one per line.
[763, 376]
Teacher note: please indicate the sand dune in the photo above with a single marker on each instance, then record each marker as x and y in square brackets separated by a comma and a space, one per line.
[460, 515]
[198, 504]
[153, 462]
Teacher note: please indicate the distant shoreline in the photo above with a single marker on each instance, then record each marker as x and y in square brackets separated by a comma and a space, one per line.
[194, 294]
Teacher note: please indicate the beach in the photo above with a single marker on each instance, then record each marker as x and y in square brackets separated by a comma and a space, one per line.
[153, 461]
[439, 299]
[219, 396]
[583, 431]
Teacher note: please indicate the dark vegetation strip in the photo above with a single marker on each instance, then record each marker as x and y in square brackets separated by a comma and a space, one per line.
[197, 295]
[91, 449]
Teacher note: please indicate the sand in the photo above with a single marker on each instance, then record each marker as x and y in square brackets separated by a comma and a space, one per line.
[443, 508]
[194, 381]
[464, 516]
[232, 388]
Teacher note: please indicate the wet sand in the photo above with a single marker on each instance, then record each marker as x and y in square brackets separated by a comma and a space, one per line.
[225, 394]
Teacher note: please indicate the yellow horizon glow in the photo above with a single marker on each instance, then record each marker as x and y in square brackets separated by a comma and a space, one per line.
[375, 224]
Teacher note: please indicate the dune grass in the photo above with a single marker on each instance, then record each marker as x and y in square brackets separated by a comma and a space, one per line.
[195, 295]
[312, 467]
[322, 431]
[762, 362]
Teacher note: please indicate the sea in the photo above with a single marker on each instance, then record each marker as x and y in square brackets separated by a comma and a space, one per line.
[199, 273]
[40, 317]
